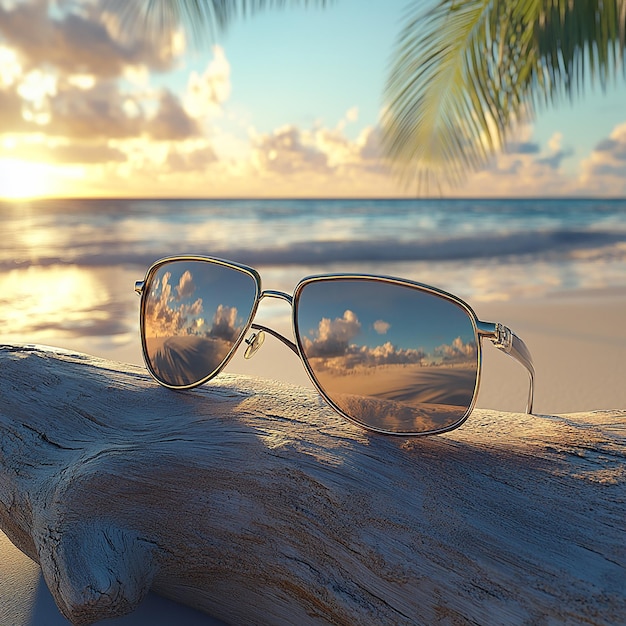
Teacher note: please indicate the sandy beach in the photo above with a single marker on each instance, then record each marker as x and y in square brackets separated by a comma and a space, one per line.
[578, 342]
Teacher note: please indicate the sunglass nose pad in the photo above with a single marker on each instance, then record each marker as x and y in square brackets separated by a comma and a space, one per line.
[254, 341]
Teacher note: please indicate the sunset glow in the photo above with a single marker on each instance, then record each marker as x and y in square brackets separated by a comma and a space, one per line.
[238, 116]
[22, 180]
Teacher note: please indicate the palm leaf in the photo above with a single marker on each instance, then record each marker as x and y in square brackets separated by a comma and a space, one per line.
[200, 18]
[466, 71]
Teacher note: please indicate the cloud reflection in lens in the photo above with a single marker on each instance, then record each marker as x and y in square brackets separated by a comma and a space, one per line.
[194, 314]
[390, 356]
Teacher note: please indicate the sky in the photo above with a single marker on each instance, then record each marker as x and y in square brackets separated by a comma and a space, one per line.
[285, 103]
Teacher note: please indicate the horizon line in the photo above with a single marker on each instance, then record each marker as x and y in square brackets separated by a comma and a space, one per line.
[310, 198]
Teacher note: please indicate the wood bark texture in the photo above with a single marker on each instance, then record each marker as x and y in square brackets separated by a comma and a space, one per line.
[253, 501]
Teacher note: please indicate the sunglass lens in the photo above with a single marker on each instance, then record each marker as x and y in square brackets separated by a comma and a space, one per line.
[392, 357]
[194, 315]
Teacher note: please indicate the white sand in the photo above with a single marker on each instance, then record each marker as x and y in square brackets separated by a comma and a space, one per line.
[578, 342]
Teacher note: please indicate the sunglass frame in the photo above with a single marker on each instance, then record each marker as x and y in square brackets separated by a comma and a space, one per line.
[500, 335]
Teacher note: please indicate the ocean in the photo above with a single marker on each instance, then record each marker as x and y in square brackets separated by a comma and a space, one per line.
[67, 267]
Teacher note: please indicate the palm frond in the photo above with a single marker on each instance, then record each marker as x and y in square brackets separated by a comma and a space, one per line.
[201, 19]
[466, 71]
[576, 38]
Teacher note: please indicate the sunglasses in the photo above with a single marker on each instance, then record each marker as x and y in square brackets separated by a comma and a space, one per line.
[392, 355]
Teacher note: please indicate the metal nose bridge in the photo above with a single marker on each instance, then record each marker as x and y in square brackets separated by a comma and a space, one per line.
[280, 295]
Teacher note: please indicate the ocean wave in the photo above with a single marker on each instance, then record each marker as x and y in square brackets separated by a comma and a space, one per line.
[551, 245]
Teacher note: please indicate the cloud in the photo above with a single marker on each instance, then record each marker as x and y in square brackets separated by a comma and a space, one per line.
[321, 154]
[185, 287]
[164, 319]
[160, 317]
[86, 154]
[106, 113]
[528, 154]
[386, 354]
[75, 90]
[11, 119]
[171, 312]
[180, 344]
[68, 153]
[208, 91]
[194, 310]
[554, 160]
[369, 149]
[285, 152]
[10, 68]
[523, 147]
[356, 357]
[558, 153]
[171, 122]
[36, 88]
[606, 145]
[456, 352]
[296, 161]
[381, 327]
[80, 41]
[525, 168]
[65, 110]
[95, 113]
[224, 324]
[333, 336]
[180, 159]
[330, 348]
[352, 114]
[615, 148]
[63, 96]
[604, 171]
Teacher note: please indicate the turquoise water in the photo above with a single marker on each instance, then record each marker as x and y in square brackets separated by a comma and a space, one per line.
[67, 267]
[307, 232]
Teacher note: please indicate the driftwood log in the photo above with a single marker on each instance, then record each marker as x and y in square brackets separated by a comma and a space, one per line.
[254, 502]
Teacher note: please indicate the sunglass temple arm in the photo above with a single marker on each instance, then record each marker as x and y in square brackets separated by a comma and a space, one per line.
[508, 342]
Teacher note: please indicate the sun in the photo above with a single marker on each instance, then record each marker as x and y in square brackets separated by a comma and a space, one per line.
[24, 179]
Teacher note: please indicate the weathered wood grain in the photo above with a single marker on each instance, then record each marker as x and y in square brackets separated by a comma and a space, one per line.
[253, 501]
